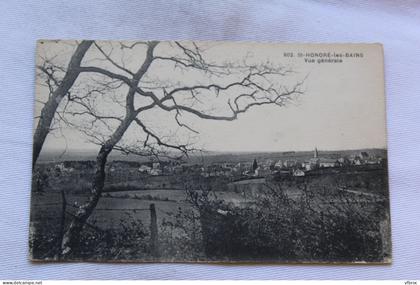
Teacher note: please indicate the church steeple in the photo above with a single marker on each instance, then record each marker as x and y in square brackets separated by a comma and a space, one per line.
[254, 165]
[315, 153]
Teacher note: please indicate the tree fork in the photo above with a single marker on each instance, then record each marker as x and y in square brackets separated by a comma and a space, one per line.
[73, 232]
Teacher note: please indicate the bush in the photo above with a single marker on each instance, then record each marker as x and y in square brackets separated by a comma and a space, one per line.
[180, 238]
[317, 226]
[130, 241]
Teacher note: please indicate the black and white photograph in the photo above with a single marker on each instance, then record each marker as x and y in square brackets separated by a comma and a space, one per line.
[209, 151]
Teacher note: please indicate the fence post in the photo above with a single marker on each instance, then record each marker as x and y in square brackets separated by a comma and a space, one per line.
[153, 232]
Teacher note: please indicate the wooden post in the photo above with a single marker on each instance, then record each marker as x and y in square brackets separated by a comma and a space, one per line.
[154, 249]
[62, 222]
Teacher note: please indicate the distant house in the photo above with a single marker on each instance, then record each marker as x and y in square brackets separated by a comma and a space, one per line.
[245, 167]
[237, 169]
[248, 173]
[278, 164]
[314, 161]
[308, 165]
[262, 171]
[222, 212]
[145, 169]
[226, 172]
[344, 161]
[357, 161]
[155, 172]
[289, 163]
[364, 155]
[61, 168]
[168, 169]
[284, 173]
[326, 162]
[228, 165]
[269, 163]
[373, 161]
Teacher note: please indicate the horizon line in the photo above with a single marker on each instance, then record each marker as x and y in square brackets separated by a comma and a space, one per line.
[226, 151]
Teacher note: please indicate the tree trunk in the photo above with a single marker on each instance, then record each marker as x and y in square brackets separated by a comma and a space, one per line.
[72, 235]
[50, 107]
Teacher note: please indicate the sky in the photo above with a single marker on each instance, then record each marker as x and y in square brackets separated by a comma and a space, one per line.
[342, 106]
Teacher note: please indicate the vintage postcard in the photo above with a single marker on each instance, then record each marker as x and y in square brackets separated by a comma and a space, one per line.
[179, 151]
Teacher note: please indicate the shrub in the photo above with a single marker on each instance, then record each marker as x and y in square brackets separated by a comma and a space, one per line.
[317, 226]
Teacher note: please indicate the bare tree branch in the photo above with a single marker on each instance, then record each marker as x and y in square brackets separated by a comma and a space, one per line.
[248, 87]
[108, 57]
[50, 107]
[182, 148]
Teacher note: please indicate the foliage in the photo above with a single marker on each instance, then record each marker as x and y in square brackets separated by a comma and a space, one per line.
[180, 238]
[128, 241]
[316, 226]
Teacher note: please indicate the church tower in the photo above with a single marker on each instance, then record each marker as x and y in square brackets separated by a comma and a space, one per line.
[315, 153]
[254, 165]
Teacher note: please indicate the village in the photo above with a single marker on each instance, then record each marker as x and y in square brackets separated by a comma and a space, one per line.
[262, 167]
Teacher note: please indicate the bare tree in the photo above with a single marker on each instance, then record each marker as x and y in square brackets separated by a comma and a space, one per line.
[59, 88]
[239, 85]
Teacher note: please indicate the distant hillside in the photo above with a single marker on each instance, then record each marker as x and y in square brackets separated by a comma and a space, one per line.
[300, 155]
